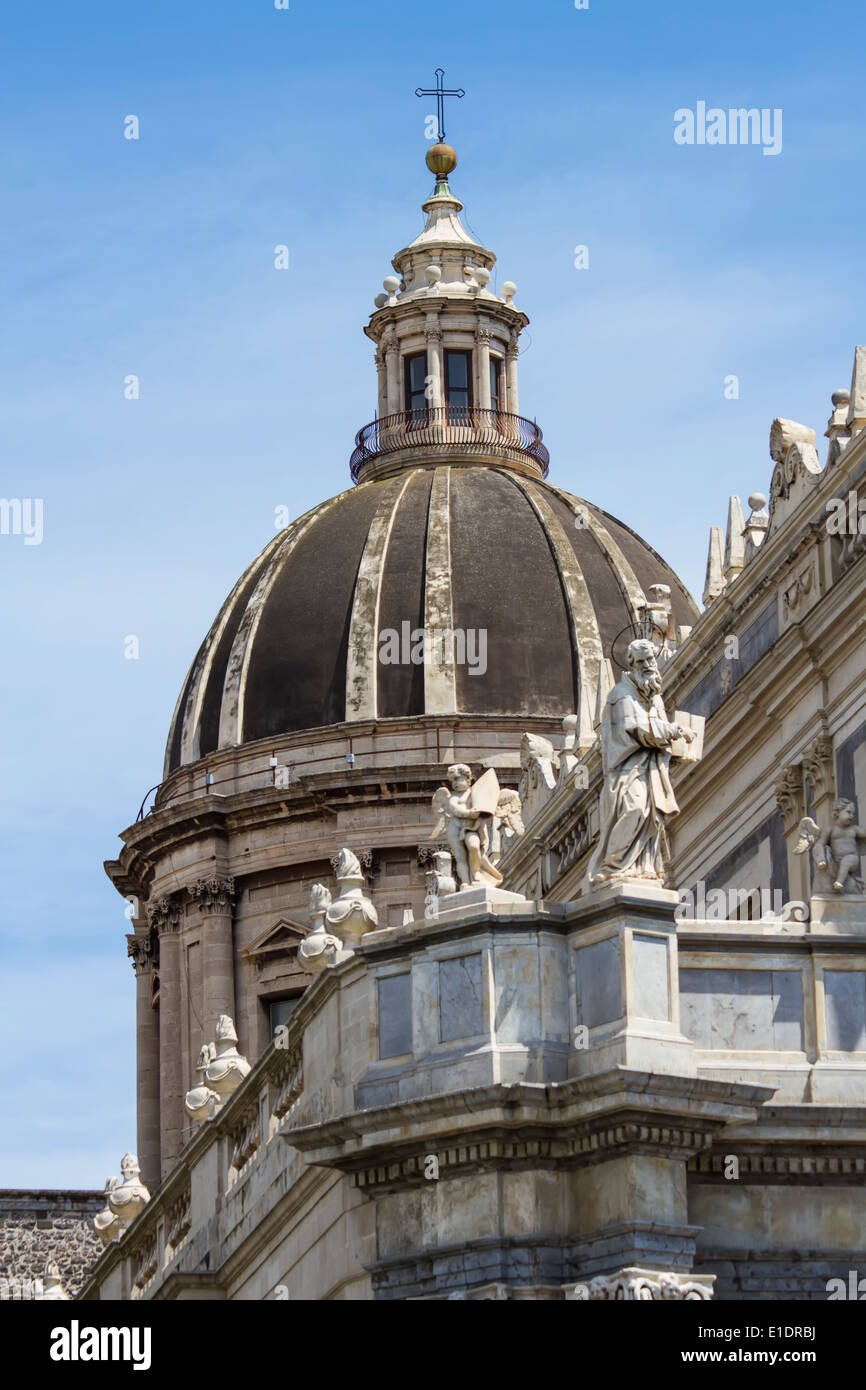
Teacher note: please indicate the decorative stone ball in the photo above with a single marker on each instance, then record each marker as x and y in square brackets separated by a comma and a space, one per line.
[482, 275]
[441, 159]
[509, 289]
[841, 397]
[757, 501]
[433, 274]
[391, 284]
[380, 301]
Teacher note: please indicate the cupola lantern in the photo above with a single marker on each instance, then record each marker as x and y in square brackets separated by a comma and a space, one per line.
[447, 346]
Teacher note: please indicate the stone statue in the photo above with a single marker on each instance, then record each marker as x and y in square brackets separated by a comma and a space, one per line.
[470, 816]
[124, 1200]
[836, 854]
[221, 1069]
[637, 744]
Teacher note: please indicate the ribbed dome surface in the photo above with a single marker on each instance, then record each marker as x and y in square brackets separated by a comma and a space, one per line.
[297, 643]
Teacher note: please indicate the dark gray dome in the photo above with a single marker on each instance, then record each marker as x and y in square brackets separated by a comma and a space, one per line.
[296, 644]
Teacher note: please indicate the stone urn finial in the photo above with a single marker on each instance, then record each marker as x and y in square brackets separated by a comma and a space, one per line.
[124, 1199]
[221, 1070]
[351, 914]
[201, 1103]
[227, 1068]
[319, 948]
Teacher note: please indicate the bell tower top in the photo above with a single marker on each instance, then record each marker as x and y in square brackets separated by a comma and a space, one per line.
[447, 345]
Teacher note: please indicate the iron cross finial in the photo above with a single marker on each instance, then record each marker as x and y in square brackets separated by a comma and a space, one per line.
[440, 93]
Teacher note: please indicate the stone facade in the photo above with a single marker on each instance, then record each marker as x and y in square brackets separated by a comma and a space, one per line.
[571, 1086]
[44, 1225]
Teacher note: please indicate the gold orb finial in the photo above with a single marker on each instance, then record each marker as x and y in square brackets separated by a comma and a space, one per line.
[441, 159]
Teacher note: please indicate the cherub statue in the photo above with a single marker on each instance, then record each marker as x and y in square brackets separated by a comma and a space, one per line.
[468, 816]
[836, 854]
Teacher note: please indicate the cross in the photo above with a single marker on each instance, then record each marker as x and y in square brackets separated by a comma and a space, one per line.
[440, 93]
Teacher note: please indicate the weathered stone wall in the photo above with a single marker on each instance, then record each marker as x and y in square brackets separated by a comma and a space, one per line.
[47, 1224]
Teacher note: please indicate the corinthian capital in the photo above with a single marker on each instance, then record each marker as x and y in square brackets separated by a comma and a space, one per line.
[789, 797]
[818, 766]
[164, 913]
[142, 951]
[213, 894]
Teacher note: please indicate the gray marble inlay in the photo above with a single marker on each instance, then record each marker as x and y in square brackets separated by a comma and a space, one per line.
[597, 981]
[845, 1002]
[747, 1010]
[652, 997]
[395, 1015]
[461, 1014]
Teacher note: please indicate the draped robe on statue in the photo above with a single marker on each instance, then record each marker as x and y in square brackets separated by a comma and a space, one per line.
[637, 793]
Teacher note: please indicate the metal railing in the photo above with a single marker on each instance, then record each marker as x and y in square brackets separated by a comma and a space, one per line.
[449, 427]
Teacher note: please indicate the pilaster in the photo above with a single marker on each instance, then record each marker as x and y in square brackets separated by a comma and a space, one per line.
[165, 918]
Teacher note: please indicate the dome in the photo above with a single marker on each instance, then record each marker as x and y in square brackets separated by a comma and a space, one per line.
[320, 628]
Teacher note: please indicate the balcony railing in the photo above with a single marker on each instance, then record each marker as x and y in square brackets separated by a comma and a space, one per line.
[450, 428]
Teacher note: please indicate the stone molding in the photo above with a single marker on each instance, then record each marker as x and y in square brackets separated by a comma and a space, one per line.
[245, 1137]
[178, 1222]
[771, 1167]
[145, 1263]
[597, 1145]
[289, 1083]
[577, 839]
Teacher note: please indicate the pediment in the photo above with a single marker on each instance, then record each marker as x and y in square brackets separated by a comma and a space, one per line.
[280, 939]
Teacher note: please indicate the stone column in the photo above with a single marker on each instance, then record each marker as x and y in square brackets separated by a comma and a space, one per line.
[143, 948]
[165, 917]
[511, 356]
[392, 370]
[482, 339]
[216, 899]
[382, 374]
[433, 334]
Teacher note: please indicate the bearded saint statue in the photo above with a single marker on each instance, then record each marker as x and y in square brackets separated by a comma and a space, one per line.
[637, 796]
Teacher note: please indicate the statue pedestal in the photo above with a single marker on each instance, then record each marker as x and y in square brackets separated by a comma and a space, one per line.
[626, 981]
[469, 902]
[838, 912]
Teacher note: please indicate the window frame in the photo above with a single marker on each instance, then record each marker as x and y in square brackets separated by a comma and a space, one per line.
[458, 413]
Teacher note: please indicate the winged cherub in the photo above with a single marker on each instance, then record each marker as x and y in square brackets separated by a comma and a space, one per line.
[469, 817]
[836, 854]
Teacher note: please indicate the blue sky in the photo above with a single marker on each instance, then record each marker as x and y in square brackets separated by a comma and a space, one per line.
[261, 127]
